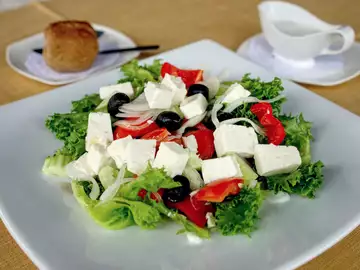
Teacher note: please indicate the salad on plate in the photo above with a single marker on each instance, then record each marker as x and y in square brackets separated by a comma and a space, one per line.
[166, 144]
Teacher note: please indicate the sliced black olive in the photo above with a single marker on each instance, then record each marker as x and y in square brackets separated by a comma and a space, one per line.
[178, 194]
[198, 89]
[169, 120]
[115, 102]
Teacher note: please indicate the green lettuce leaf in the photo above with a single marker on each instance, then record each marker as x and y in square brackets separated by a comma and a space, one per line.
[181, 220]
[145, 216]
[140, 75]
[151, 180]
[298, 134]
[87, 104]
[239, 215]
[55, 165]
[111, 215]
[304, 181]
[259, 89]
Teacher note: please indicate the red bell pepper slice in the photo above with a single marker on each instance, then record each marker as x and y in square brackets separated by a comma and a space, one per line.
[195, 214]
[128, 128]
[218, 190]
[274, 129]
[189, 77]
[204, 139]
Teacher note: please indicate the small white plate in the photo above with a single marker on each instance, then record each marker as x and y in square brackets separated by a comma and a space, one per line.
[328, 70]
[18, 52]
[57, 233]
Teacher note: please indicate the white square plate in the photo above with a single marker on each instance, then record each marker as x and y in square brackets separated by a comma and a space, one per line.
[57, 234]
[18, 52]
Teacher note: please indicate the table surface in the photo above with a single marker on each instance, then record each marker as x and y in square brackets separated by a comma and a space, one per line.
[228, 22]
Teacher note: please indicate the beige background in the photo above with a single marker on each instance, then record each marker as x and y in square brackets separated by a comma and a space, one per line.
[172, 24]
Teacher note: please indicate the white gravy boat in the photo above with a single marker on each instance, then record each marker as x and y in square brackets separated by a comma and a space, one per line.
[296, 34]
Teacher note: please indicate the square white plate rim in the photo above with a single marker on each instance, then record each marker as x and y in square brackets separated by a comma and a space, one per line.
[125, 40]
[241, 51]
[342, 231]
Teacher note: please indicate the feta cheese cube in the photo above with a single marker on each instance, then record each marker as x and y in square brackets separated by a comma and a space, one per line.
[191, 143]
[79, 168]
[109, 90]
[99, 130]
[235, 139]
[177, 86]
[271, 159]
[220, 168]
[138, 154]
[158, 96]
[116, 150]
[234, 92]
[172, 157]
[98, 157]
[193, 106]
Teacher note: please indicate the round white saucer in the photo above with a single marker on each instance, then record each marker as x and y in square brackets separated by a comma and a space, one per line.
[327, 70]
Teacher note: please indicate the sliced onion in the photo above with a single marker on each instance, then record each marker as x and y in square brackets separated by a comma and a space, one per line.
[217, 107]
[136, 107]
[213, 83]
[149, 115]
[236, 103]
[258, 129]
[191, 122]
[173, 137]
[95, 190]
[111, 191]
[224, 74]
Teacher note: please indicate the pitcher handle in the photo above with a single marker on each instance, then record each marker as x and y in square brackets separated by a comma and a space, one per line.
[348, 36]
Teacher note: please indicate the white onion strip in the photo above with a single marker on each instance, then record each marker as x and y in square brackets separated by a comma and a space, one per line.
[236, 103]
[217, 107]
[191, 122]
[258, 129]
[136, 107]
[111, 191]
[150, 115]
[95, 189]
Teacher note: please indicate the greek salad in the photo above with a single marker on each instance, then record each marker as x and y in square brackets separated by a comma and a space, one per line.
[166, 144]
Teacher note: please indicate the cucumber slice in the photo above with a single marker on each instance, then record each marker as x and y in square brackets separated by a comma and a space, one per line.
[248, 173]
[194, 177]
[194, 161]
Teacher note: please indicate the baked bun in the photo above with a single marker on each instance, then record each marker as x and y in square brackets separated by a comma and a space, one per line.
[70, 46]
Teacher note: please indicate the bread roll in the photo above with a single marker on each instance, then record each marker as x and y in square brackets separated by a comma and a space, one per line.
[70, 46]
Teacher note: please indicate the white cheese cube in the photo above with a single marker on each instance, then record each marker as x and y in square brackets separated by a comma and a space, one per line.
[109, 90]
[191, 143]
[116, 150]
[220, 168]
[79, 168]
[99, 130]
[172, 157]
[177, 86]
[271, 159]
[234, 92]
[193, 106]
[138, 154]
[98, 157]
[158, 96]
[235, 139]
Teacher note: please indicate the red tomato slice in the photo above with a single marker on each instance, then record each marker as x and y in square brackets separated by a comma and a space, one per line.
[205, 142]
[218, 190]
[201, 126]
[175, 140]
[196, 215]
[126, 128]
[159, 135]
[189, 77]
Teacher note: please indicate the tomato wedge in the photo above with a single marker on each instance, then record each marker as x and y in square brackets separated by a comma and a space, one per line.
[127, 128]
[218, 190]
[159, 135]
[189, 77]
[196, 215]
[205, 142]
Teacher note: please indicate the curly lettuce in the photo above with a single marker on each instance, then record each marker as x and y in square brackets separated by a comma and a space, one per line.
[240, 215]
[304, 181]
[140, 75]
[298, 134]
[87, 104]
